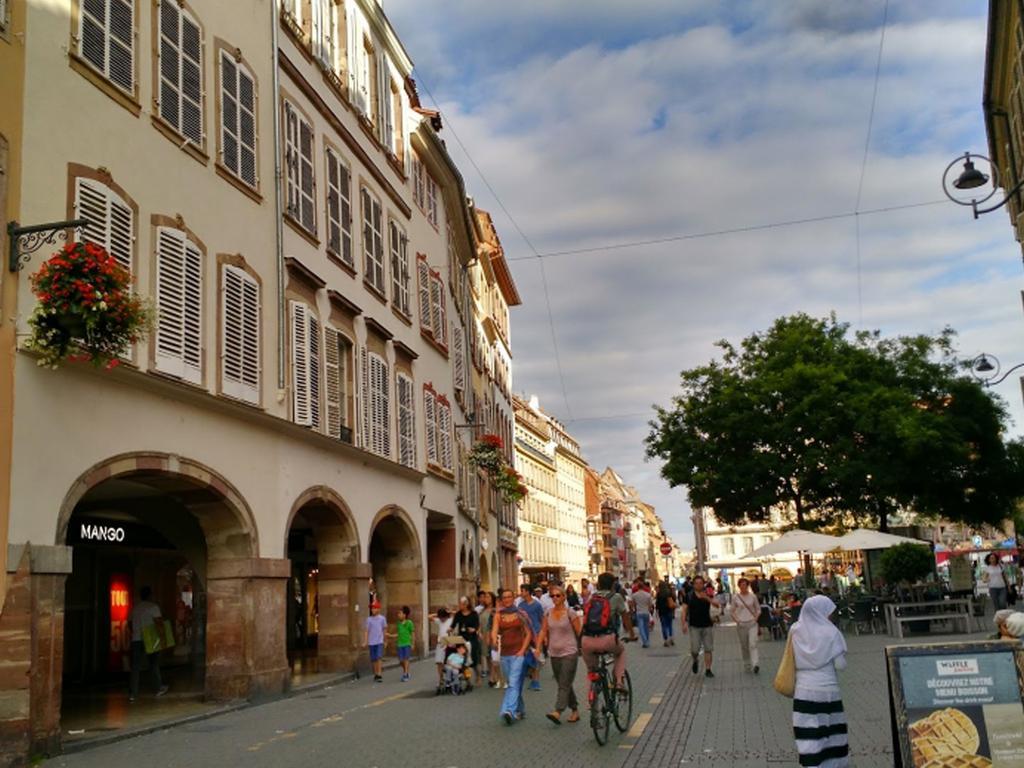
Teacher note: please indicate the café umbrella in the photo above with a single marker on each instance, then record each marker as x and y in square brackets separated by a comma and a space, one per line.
[796, 541]
[863, 538]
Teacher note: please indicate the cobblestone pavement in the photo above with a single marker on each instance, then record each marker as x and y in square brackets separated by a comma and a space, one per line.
[736, 719]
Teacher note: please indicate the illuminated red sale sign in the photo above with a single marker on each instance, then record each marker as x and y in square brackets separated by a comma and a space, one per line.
[120, 610]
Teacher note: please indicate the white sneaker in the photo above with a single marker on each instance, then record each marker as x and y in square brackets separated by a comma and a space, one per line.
[504, 685]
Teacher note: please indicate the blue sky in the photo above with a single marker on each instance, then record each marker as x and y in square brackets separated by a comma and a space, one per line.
[602, 122]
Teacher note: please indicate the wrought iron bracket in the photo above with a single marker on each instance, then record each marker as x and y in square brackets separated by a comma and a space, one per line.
[24, 241]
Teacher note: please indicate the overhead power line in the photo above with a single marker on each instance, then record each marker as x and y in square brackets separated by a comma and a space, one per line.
[723, 232]
[529, 244]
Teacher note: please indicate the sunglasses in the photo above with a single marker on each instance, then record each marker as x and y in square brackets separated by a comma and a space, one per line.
[556, 594]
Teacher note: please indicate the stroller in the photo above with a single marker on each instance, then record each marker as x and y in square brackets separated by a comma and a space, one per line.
[458, 667]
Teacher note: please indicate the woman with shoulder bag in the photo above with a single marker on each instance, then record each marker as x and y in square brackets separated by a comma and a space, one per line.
[746, 612]
[815, 650]
[560, 631]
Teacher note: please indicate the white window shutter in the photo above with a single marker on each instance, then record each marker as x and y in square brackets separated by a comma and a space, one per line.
[313, 342]
[240, 335]
[406, 422]
[438, 315]
[229, 108]
[387, 118]
[192, 320]
[423, 277]
[307, 206]
[300, 363]
[444, 433]
[430, 419]
[365, 426]
[106, 39]
[380, 406]
[247, 127]
[458, 358]
[291, 161]
[170, 300]
[191, 81]
[332, 382]
[333, 202]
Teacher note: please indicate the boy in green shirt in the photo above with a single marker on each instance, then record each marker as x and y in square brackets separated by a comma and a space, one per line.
[403, 636]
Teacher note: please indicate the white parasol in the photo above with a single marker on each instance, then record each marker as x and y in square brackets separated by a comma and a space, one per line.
[796, 541]
[864, 538]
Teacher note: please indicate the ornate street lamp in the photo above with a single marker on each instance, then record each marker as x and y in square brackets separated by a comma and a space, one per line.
[971, 178]
[985, 368]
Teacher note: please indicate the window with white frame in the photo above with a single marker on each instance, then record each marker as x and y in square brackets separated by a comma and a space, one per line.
[430, 422]
[423, 281]
[322, 35]
[433, 195]
[3, 14]
[419, 183]
[373, 241]
[299, 180]
[398, 244]
[729, 546]
[406, 421]
[179, 304]
[106, 40]
[305, 348]
[238, 119]
[339, 208]
[438, 312]
[240, 334]
[180, 60]
[111, 220]
[337, 382]
[458, 359]
[375, 393]
[748, 545]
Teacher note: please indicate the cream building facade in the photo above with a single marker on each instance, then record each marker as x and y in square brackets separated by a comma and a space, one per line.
[725, 547]
[284, 446]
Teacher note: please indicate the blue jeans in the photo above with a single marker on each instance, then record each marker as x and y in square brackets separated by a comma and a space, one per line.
[643, 625]
[666, 624]
[513, 669]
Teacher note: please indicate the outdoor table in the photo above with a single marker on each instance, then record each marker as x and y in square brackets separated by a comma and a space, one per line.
[952, 608]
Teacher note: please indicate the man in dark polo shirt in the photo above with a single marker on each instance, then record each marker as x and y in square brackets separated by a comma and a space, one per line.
[696, 620]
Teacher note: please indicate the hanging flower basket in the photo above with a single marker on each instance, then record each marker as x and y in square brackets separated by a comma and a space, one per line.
[85, 309]
[509, 485]
[486, 455]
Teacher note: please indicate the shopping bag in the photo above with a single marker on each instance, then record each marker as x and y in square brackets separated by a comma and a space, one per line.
[785, 678]
[158, 636]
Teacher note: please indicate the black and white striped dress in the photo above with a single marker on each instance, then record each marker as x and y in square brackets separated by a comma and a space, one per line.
[819, 727]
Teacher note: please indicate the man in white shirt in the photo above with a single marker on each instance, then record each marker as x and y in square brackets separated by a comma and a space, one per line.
[746, 610]
[643, 602]
[145, 613]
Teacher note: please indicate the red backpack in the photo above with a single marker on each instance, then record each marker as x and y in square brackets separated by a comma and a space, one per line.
[597, 616]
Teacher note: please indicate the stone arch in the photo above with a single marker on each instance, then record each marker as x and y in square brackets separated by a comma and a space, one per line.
[224, 515]
[396, 563]
[334, 518]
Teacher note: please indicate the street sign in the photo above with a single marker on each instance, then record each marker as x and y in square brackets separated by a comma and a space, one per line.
[959, 701]
[666, 548]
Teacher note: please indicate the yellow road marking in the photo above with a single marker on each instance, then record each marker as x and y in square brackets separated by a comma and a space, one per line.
[638, 727]
[656, 699]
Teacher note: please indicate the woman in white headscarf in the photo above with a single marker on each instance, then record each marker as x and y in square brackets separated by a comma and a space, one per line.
[819, 722]
[1013, 626]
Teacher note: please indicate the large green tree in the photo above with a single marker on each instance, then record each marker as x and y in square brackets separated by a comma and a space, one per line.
[826, 423]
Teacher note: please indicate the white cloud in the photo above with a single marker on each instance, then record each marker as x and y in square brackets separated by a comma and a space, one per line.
[601, 124]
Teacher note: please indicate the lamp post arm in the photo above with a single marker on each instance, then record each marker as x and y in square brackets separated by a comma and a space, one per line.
[1001, 379]
[1010, 193]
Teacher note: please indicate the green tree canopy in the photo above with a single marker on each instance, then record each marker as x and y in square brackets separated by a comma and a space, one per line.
[808, 417]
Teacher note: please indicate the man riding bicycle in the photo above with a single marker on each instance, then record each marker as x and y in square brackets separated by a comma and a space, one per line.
[603, 613]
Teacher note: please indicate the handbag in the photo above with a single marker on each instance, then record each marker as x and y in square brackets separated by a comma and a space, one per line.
[158, 636]
[785, 678]
[715, 611]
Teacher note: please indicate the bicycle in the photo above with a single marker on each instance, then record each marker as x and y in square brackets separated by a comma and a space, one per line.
[607, 702]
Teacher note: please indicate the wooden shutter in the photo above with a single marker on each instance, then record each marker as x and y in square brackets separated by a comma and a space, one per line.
[332, 382]
[238, 119]
[307, 183]
[106, 39]
[313, 339]
[380, 406]
[398, 244]
[444, 433]
[458, 358]
[240, 335]
[111, 220]
[365, 428]
[299, 319]
[406, 422]
[333, 202]
[430, 419]
[438, 314]
[423, 278]
[291, 161]
[179, 295]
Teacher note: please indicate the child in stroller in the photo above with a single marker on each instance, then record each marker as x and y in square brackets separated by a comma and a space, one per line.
[457, 665]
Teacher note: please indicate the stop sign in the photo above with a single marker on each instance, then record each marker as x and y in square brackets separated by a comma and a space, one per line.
[666, 548]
